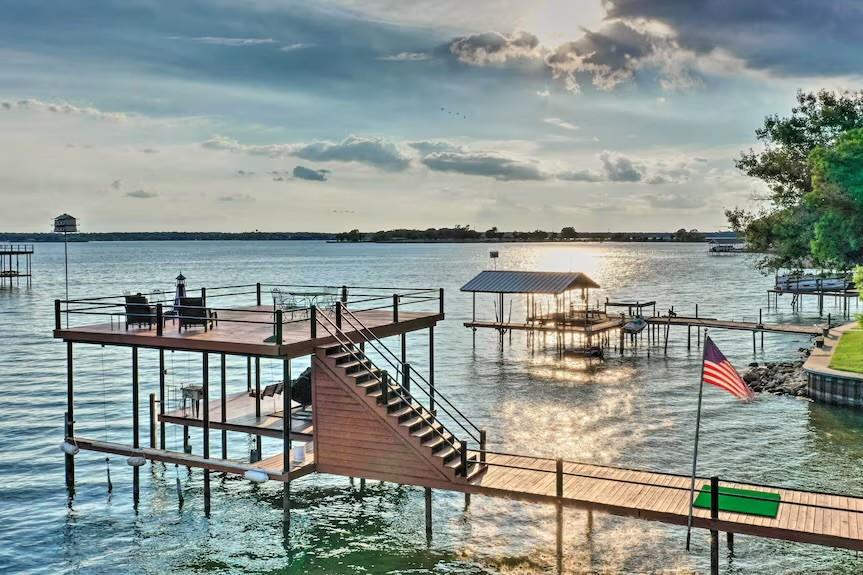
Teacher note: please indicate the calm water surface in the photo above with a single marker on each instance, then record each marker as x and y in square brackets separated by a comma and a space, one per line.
[636, 411]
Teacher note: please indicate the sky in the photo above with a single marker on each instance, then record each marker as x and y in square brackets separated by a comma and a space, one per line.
[237, 115]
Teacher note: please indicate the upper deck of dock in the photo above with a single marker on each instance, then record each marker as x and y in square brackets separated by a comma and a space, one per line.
[263, 320]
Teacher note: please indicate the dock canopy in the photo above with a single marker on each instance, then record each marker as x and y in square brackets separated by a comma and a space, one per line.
[528, 282]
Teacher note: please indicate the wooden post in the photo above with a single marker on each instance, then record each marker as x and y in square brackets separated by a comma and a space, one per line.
[404, 344]
[160, 319]
[205, 385]
[482, 442]
[753, 343]
[440, 301]
[258, 293]
[714, 534]
[395, 308]
[344, 295]
[248, 373]
[729, 541]
[224, 406]
[136, 440]
[258, 405]
[70, 408]
[466, 500]
[278, 327]
[286, 444]
[313, 322]
[339, 314]
[428, 493]
[431, 370]
[161, 397]
[152, 403]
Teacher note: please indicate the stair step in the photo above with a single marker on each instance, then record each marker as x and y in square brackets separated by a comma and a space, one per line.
[361, 376]
[344, 354]
[476, 469]
[427, 431]
[335, 348]
[351, 364]
[402, 411]
[436, 441]
[455, 463]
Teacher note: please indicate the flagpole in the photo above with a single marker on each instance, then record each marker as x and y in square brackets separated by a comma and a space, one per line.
[695, 451]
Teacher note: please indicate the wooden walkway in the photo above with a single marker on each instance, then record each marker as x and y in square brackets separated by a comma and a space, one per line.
[594, 328]
[804, 516]
[241, 417]
[737, 325]
[246, 331]
[272, 465]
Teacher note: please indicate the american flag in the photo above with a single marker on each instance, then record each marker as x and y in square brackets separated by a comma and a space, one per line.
[718, 371]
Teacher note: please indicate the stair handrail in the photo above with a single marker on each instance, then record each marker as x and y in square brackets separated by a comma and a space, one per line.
[364, 331]
[398, 388]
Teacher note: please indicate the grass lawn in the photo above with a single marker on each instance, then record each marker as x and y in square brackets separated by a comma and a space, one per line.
[849, 353]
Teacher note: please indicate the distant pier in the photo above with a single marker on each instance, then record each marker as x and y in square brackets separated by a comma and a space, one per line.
[16, 263]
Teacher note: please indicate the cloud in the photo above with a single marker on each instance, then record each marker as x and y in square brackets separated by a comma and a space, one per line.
[789, 37]
[431, 146]
[581, 176]
[560, 123]
[141, 194]
[675, 200]
[372, 151]
[63, 108]
[223, 41]
[237, 197]
[620, 168]
[494, 47]
[406, 57]
[489, 164]
[305, 173]
[295, 47]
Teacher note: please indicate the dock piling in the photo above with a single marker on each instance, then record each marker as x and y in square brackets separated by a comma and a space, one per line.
[70, 413]
[428, 498]
[136, 440]
[205, 391]
[224, 405]
[714, 534]
[152, 403]
[286, 444]
[161, 397]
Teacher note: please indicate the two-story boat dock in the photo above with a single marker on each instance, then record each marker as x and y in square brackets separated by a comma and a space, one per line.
[363, 411]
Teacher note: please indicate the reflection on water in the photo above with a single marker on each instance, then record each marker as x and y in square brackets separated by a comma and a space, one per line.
[631, 410]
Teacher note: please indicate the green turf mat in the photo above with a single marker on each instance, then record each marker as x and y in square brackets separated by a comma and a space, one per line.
[740, 501]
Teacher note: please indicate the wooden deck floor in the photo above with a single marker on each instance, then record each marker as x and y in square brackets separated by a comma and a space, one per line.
[240, 410]
[738, 325]
[236, 334]
[837, 521]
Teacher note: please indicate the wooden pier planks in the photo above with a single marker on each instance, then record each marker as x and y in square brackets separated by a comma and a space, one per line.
[737, 325]
[665, 497]
[246, 331]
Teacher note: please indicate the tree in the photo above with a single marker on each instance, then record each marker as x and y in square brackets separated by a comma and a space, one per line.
[491, 233]
[837, 199]
[787, 228]
[568, 233]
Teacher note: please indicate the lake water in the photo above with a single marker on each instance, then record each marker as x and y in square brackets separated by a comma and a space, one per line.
[634, 410]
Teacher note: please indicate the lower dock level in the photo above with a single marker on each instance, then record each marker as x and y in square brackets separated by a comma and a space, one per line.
[803, 516]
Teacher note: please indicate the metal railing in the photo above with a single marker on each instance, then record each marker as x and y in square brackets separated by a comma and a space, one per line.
[160, 306]
[389, 389]
[411, 378]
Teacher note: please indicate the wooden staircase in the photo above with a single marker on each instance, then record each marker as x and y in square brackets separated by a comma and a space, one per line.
[418, 426]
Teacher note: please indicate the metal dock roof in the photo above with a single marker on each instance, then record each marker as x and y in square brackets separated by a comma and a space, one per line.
[504, 281]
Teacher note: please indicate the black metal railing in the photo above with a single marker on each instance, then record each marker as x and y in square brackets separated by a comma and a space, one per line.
[390, 387]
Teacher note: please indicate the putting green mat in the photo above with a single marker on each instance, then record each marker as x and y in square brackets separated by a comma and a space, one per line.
[741, 501]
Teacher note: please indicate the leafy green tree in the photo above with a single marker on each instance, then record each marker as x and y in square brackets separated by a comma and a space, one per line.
[568, 233]
[787, 228]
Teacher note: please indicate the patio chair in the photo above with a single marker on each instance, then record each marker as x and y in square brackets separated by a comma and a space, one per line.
[139, 311]
[192, 312]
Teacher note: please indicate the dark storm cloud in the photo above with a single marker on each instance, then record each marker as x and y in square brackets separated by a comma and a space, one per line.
[479, 163]
[305, 173]
[790, 37]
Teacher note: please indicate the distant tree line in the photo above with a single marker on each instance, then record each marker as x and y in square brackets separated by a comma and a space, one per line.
[162, 236]
[466, 234]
